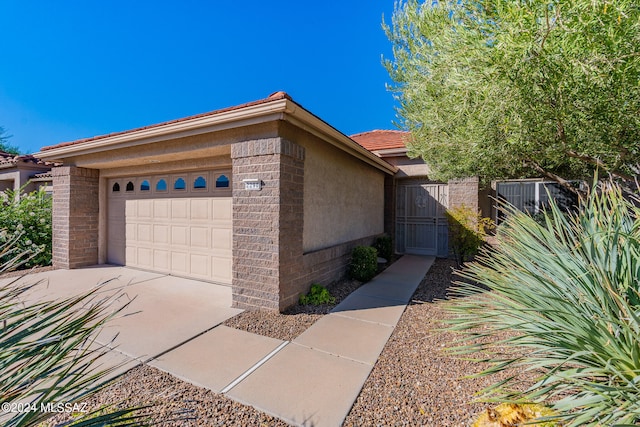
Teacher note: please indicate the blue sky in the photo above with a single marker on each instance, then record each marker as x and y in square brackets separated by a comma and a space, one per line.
[74, 69]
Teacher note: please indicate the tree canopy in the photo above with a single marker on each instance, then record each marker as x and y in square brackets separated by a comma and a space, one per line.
[506, 89]
[4, 145]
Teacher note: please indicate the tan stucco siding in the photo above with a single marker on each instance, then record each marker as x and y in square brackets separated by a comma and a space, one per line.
[343, 197]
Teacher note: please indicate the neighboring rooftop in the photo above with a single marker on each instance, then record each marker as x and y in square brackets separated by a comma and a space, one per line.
[8, 159]
[273, 97]
[377, 140]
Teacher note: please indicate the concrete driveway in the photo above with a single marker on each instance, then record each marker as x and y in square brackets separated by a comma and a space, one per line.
[163, 312]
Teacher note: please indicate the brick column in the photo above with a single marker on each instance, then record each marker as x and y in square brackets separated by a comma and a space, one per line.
[267, 224]
[464, 192]
[75, 217]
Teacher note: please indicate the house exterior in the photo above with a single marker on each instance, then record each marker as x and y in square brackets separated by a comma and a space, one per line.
[264, 197]
[416, 204]
[24, 172]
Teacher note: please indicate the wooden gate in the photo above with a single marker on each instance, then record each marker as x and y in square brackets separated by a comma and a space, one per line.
[421, 224]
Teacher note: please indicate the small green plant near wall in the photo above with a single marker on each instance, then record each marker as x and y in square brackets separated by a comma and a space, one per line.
[29, 219]
[318, 295]
[384, 247]
[364, 263]
[468, 230]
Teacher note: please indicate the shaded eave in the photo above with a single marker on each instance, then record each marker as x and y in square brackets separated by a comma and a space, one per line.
[281, 108]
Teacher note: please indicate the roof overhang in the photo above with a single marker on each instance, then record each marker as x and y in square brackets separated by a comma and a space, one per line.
[277, 109]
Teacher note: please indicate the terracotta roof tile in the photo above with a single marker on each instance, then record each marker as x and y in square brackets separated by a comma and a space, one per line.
[12, 159]
[273, 97]
[376, 140]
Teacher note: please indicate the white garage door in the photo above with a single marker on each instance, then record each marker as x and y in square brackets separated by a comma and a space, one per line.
[184, 231]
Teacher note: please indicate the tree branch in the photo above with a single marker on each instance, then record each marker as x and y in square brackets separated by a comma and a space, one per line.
[552, 176]
[599, 163]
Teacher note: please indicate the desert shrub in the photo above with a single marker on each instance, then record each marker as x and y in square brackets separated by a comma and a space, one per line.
[468, 230]
[384, 246]
[317, 295]
[569, 291]
[29, 219]
[48, 354]
[364, 263]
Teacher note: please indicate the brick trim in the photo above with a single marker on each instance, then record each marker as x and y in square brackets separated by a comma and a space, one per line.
[265, 147]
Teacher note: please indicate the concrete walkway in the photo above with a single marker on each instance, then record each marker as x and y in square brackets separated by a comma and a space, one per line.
[315, 379]
[175, 325]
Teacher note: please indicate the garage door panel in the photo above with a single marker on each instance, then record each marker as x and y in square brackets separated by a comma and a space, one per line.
[199, 264]
[161, 260]
[221, 269]
[162, 209]
[179, 262]
[180, 209]
[131, 254]
[187, 236]
[131, 210]
[180, 235]
[145, 210]
[161, 234]
[144, 233]
[199, 238]
[145, 256]
[221, 239]
[221, 209]
[199, 209]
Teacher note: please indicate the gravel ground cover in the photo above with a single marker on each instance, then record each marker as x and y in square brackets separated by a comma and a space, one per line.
[288, 325]
[414, 382]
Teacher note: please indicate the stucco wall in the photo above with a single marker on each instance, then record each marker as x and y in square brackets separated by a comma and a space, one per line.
[343, 197]
[408, 167]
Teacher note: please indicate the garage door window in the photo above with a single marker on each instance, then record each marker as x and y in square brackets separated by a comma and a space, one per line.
[179, 184]
[144, 186]
[161, 185]
[200, 183]
[222, 182]
[116, 188]
[129, 186]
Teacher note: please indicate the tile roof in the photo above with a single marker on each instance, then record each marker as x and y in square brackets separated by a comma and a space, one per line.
[7, 159]
[276, 96]
[376, 140]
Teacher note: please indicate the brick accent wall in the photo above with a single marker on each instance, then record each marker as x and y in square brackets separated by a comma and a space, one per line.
[267, 224]
[328, 265]
[464, 192]
[75, 217]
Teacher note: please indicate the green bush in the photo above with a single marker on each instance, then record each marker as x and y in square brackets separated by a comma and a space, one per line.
[364, 263]
[569, 290]
[467, 229]
[28, 219]
[317, 295]
[384, 247]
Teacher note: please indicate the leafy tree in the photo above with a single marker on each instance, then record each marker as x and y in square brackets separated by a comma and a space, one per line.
[502, 88]
[4, 145]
